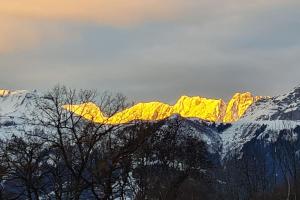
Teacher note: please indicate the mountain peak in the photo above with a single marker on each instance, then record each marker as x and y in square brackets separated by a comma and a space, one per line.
[4, 92]
[242, 94]
[200, 107]
[296, 91]
[238, 105]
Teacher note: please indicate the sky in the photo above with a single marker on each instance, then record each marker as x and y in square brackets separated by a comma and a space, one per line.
[151, 49]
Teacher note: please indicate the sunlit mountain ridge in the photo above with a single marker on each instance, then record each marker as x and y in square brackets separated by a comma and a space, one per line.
[215, 110]
[4, 92]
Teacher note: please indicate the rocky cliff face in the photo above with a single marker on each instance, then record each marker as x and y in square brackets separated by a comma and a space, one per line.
[238, 105]
[283, 107]
[199, 107]
[215, 110]
[265, 121]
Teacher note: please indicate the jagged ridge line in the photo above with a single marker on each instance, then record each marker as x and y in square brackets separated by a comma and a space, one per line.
[190, 107]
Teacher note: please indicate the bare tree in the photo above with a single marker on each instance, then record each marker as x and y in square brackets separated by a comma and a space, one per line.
[23, 160]
[86, 159]
[173, 165]
[71, 138]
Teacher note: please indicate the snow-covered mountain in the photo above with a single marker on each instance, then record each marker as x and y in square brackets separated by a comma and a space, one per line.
[263, 120]
[15, 107]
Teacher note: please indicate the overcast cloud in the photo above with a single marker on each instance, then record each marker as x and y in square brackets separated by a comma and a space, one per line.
[151, 49]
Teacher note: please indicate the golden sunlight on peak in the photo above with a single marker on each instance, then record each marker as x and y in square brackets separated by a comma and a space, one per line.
[238, 105]
[4, 93]
[215, 110]
[198, 107]
[143, 111]
[89, 111]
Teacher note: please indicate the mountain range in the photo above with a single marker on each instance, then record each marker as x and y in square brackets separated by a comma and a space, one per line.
[216, 110]
[225, 127]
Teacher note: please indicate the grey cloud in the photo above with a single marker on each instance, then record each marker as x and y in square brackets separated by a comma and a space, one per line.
[213, 56]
